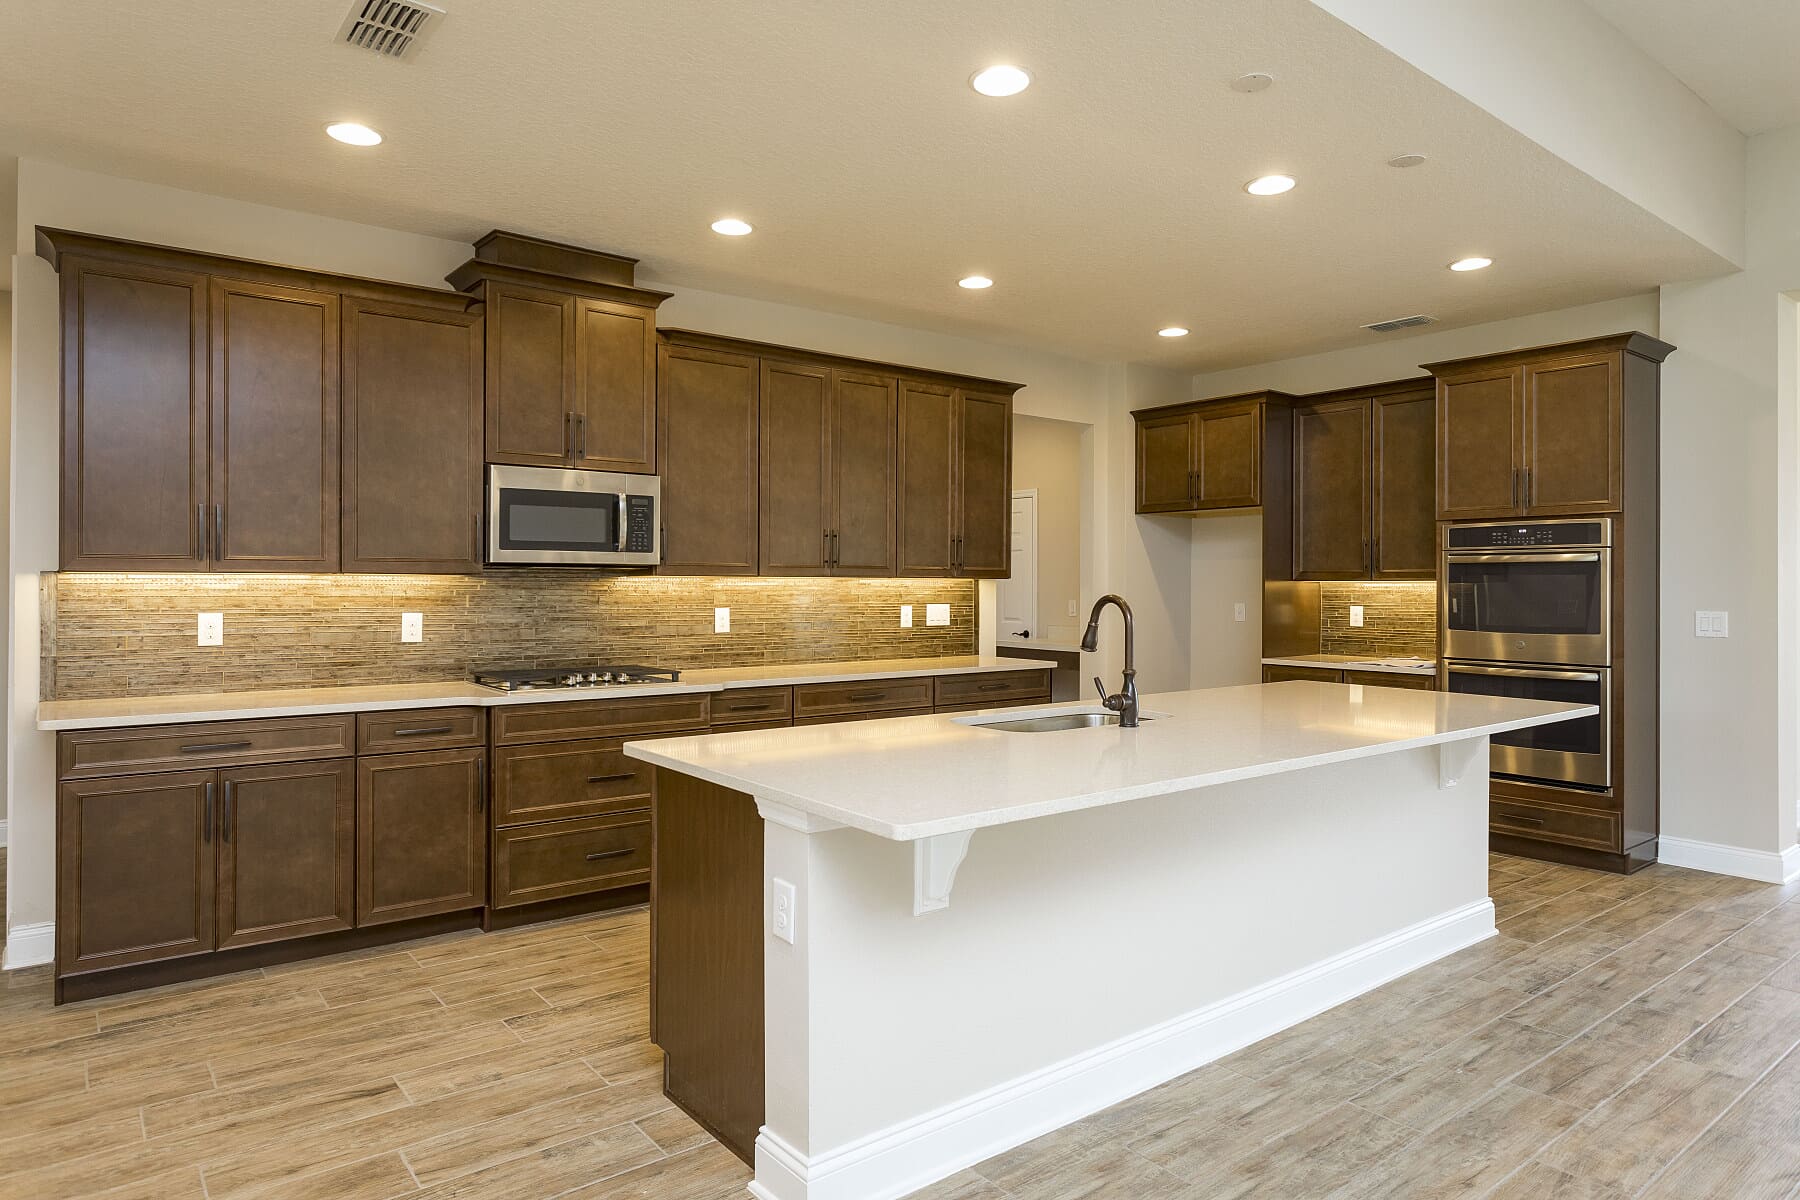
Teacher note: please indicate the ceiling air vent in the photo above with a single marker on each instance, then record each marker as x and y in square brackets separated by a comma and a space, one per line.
[1412, 322]
[390, 27]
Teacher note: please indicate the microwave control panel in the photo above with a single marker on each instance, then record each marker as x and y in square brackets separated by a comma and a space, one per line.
[639, 535]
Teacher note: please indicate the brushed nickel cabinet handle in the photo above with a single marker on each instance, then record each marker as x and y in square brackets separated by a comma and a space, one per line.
[209, 747]
[993, 687]
[867, 696]
[206, 824]
[228, 818]
[219, 532]
[423, 731]
[600, 854]
[200, 532]
[481, 782]
[580, 435]
[756, 706]
[1515, 819]
[612, 778]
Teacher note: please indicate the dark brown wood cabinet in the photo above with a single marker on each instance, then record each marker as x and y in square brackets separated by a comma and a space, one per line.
[287, 851]
[1540, 432]
[412, 438]
[955, 481]
[708, 409]
[1213, 455]
[862, 462]
[796, 484]
[983, 485]
[421, 839]
[1363, 470]
[571, 355]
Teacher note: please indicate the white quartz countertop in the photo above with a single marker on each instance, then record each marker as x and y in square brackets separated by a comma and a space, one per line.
[302, 702]
[907, 778]
[1351, 662]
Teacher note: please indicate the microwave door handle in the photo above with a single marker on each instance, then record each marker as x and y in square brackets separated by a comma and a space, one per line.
[1529, 673]
[619, 525]
[1479, 558]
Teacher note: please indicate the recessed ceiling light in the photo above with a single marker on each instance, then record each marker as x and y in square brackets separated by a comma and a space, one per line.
[1471, 264]
[1000, 80]
[1406, 160]
[731, 227]
[1255, 81]
[1270, 185]
[975, 282]
[1172, 331]
[352, 134]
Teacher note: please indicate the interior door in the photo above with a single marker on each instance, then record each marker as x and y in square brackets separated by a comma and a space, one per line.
[287, 851]
[796, 484]
[1479, 435]
[927, 477]
[984, 485]
[1017, 595]
[615, 387]
[1331, 490]
[864, 425]
[412, 424]
[134, 418]
[274, 423]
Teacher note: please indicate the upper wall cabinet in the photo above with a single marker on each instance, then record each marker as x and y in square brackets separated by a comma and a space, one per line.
[708, 406]
[955, 481]
[1543, 432]
[571, 355]
[222, 415]
[1362, 483]
[1212, 455]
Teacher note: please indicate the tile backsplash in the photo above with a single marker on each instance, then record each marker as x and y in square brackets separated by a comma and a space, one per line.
[133, 635]
[1399, 618]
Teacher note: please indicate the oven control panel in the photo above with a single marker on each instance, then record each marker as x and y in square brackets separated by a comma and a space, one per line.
[1529, 535]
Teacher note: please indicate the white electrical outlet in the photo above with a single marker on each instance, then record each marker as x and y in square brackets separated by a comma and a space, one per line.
[1712, 624]
[721, 620]
[211, 629]
[937, 614]
[783, 909]
[1356, 616]
[906, 616]
[412, 627]
[1237, 612]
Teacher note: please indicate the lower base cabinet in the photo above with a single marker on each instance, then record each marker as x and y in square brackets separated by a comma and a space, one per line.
[557, 860]
[287, 851]
[1389, 679]
[421, 834]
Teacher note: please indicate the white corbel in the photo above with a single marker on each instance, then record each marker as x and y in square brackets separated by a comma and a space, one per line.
[935, 860]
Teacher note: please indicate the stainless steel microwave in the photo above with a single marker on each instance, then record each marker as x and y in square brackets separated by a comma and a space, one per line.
[552, 517]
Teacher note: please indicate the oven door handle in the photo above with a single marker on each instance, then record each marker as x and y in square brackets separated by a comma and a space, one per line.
[1592, 556]
[1528, 673]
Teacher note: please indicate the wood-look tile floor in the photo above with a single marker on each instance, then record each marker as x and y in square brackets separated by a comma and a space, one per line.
[1621, 1037]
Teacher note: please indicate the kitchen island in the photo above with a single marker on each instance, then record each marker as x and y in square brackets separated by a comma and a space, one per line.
[882, 952]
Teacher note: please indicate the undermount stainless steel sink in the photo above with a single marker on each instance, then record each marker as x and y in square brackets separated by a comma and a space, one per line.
[1053, 722]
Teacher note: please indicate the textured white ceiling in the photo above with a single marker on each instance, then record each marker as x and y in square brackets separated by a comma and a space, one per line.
[1106, 201]
[1740, 56]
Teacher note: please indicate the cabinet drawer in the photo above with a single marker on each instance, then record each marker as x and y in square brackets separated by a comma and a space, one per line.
[1548, 823]
[1422, 683]
[1304, 674]
[878, 715]
[420, 729]
[567, 779]
[883, 695]
[557, 859]
[741, 706]
[577, 719]
[1017, 702]
[91, 753]
[991, 689]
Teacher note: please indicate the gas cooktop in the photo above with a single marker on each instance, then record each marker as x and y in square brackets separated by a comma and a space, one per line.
[539, 678]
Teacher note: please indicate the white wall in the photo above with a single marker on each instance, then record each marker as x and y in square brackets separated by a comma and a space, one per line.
[1227, 553]
[1115, 554]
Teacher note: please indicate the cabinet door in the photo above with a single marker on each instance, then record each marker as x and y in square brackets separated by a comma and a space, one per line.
[134, 418]
[1478, 445]
[1228, 441]
[707, 413]
[287, 851]
[984, 485]
[1572, 455]
[1331, 490]
[1405, 473]
[421, 834]
[274, 428]
[134, 879]
[530, 375]
[412, 410]
[864, 425]
[926, 498]
[1166, 463]
[795, 467]
[615, 387]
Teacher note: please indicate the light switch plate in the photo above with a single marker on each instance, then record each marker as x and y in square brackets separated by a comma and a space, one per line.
[211, 629]
[783, 909]
[1072, 611]
[1356, 616]
[937, 614]
[906, 616]
[1237, 612]
[1712, 624]
[412, 627]
[721, 620]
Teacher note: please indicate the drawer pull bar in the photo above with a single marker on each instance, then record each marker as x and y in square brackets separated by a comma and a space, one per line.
[612, 778]
[993, 687]
[759, 707]
[1515, 819]
[424, 730]
[208, 747]
[599, 854]
[867, 696]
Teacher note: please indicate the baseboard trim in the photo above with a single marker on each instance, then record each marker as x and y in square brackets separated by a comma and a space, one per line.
[904, 1158]
[1765, 866]
[29, 946]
